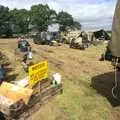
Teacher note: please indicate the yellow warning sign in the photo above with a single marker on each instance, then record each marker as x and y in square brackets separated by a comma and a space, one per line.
[38, 72]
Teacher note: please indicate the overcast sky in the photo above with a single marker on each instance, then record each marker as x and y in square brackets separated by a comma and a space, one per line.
[92, 14]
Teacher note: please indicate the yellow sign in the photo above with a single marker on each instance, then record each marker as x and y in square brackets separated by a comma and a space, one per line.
[38, 72]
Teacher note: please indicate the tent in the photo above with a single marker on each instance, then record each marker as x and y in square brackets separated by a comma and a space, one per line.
[100, 35]
[115, 44]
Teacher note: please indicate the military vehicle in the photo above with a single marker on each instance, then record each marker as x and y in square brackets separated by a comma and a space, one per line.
[81, 42]
[46, 38]
[39, 38]
[52, 32]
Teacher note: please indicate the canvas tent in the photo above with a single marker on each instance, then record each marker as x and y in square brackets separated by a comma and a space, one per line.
[115, 44]
[100, 35]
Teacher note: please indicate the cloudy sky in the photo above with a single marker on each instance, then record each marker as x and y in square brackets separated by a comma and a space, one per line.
[92, 14]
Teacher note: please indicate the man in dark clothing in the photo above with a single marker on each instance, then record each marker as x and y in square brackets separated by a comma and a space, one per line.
[23, 44]
[27, 59]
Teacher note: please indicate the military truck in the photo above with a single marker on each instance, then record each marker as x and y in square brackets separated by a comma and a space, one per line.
[39, 38]
[46, 38]
[81, 42]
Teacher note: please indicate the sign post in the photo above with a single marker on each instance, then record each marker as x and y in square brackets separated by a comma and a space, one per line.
[38, 72]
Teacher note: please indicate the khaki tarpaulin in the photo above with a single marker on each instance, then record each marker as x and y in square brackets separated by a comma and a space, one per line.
[115, 44]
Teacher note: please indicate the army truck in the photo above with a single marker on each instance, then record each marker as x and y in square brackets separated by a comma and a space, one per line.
[46, 38]
[39, 38]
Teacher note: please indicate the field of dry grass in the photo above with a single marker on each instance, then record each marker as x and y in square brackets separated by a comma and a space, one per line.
[87, 82]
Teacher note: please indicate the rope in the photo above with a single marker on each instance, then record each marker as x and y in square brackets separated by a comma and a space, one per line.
[116, 81]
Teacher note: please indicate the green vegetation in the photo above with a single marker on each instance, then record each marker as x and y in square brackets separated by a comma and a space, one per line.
[81, 102]
[36, 19]
[40, 15]
[5, 28]
[78, 102]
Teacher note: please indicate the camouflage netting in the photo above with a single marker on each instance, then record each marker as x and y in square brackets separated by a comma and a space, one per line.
[3, 59]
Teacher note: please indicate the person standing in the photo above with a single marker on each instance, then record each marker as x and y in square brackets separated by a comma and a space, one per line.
[27, 58]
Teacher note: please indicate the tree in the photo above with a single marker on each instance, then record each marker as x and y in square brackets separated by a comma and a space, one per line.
[37, 19]
[5, 27]
[52, 17]
[19, 21]
[65, 20]
[40, 15]
[76, 25]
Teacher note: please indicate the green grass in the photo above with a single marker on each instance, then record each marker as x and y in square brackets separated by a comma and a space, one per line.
[78, 102]
[81, 102]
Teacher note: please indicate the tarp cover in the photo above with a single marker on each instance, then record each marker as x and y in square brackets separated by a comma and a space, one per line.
[100, 34]
[15, 93]
[115, 44]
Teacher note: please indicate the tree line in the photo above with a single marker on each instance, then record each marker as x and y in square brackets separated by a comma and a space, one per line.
[22, 21]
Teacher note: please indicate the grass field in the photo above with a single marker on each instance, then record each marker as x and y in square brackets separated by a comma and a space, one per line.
[87, 82]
